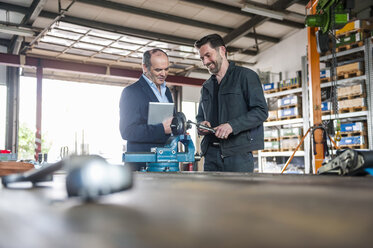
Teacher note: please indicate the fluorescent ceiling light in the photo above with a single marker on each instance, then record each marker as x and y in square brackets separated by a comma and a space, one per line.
[262, 11]
[14, 30]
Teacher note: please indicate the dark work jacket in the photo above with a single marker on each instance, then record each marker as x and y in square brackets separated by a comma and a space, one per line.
[134, 107]
[241, 104]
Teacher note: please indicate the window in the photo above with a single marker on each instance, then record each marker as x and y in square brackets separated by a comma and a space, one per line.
[84, 117]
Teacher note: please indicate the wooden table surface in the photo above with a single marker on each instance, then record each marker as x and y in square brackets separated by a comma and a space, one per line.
[195, 210]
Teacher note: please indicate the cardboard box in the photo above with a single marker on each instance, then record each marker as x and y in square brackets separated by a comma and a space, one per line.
[271, 133]
[325, 73]
[358, 24]
[289, 143]
[288, 112]
[291, 131]
[326, 106]
[350, 103]
[357, 66]
[269, 86]
[350, 39]
[288, 100]
[352, 140]
[352, 127]
[271, 145]
[350, 90]
[290, 82]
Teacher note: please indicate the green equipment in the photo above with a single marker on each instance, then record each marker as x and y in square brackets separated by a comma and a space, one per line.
[330, 14]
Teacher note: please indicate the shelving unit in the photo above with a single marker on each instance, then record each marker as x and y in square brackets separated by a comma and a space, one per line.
[365, 115]
[306, 121]
[303, 122]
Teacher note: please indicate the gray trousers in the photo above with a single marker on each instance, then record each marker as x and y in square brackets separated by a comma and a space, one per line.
[214, 161]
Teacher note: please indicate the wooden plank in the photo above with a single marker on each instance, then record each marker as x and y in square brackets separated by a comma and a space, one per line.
[10, 167]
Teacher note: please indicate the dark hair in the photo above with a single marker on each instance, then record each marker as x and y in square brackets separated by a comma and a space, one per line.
[148, 54]
[215, 41]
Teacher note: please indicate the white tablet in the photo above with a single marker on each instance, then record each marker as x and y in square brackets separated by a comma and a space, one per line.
[159, 111]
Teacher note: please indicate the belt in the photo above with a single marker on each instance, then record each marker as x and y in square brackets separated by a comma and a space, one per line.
[215, 144]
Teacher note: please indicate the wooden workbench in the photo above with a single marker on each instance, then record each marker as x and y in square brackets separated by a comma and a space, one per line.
[195, 210]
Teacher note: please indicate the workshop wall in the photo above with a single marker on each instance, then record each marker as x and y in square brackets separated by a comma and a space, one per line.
[285, 56]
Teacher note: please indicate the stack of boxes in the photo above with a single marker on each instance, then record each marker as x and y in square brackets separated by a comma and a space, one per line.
[351, 97]
[289, 83]
[350, 70]
[353, 135]
[325, 75]
[287, 139]
[290, 138]
[289, 107]
[282, 106]
[282, 85]
[353, 34]
[271, 140]
[269, 87]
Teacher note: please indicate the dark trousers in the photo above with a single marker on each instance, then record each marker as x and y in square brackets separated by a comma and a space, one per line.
[237, 163]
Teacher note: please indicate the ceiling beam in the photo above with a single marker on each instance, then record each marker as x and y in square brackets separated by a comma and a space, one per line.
[116, 28]
[171, 18]
[254, 21]
[243, 29]
[28, 19]
[15, 61]
[131, 31]
[237, 10]
[4, 42]
[24, 10]
[34, 11]
[285, 12]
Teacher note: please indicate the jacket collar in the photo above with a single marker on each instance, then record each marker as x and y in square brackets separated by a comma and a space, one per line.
[209, 84]
[149, 92]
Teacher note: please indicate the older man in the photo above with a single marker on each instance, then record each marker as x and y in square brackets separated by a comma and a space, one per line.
[233, 103]
[134, 106]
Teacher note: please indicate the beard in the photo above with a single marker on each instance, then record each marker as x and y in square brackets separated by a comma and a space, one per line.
[217, 65]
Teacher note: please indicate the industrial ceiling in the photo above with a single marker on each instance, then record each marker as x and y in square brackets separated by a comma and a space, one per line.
[116, 33]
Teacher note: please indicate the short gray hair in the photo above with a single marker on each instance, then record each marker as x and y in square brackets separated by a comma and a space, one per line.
[148, 54]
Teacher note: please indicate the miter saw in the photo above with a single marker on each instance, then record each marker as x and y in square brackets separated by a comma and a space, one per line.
[167, 158]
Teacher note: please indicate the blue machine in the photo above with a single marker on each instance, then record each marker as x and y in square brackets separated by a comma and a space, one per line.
[167, 158]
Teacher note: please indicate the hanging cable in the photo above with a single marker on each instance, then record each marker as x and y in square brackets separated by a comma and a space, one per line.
[334, 77]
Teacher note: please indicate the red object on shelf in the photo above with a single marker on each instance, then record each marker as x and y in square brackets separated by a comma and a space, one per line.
[190, 167]
[5, 151]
